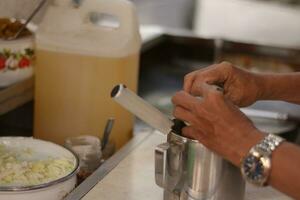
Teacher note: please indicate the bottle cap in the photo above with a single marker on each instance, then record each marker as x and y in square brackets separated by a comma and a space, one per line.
[178, 126]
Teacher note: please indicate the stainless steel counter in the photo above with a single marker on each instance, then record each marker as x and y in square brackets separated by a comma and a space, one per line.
[129, 175]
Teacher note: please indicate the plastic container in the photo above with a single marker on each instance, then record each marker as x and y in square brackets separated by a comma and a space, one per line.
[81, 53]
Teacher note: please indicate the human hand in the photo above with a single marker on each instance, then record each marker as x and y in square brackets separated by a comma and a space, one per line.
[216, 123]
[240, 86]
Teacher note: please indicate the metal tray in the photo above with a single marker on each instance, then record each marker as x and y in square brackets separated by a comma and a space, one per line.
[263, 58]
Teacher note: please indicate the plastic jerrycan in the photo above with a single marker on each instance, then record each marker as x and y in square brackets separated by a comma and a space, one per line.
[79, 60]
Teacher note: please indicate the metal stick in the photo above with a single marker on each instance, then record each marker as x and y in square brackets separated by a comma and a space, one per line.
[107, 131]
[28, 20]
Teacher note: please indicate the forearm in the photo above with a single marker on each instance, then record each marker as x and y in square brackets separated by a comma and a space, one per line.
[285, 174]
[283, 87]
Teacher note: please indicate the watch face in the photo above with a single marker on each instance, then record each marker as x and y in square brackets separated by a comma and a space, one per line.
[253, 169]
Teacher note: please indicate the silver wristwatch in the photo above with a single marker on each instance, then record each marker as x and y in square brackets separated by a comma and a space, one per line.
[256, 166]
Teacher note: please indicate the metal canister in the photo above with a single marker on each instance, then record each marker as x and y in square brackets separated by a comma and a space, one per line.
[184, 168]
[187, 170]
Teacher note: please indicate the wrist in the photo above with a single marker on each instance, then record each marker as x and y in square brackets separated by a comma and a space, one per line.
[263, 85]
[256, 165]
[249, 140]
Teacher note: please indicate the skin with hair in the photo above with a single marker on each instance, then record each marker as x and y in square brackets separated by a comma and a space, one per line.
[216, 121]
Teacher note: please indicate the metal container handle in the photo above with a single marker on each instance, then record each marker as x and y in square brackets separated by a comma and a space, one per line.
[160, 164]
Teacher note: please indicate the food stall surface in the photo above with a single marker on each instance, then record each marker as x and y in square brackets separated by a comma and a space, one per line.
[129, 175]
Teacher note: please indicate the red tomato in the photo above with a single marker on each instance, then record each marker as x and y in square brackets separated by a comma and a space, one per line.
[2, 63]
[24, 62]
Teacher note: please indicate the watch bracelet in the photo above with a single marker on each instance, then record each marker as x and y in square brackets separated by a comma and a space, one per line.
[268, 144]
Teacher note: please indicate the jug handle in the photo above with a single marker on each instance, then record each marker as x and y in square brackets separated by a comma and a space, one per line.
[160, 164]
[124, 10]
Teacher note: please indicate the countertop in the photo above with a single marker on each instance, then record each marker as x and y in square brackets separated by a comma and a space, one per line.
[131, 176]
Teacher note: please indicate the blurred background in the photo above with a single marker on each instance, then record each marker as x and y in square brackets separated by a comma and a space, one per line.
[274, 22]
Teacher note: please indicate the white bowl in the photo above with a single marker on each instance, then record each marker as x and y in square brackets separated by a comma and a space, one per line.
[54, 190]
[16, 59]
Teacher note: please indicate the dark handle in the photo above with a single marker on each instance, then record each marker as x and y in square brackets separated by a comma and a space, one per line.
[178, 126]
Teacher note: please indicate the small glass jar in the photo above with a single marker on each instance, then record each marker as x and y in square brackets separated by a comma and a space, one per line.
[88, 149]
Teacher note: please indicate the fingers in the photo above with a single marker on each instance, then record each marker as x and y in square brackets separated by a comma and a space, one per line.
[193, 133]
[214, 74]
[193, 119]
[188, 81]
[190, 102]
[209, 90]
[185, 100]
[190, 78]
[184, 114]
[211, 76]
[213, 97]
[190, 132]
